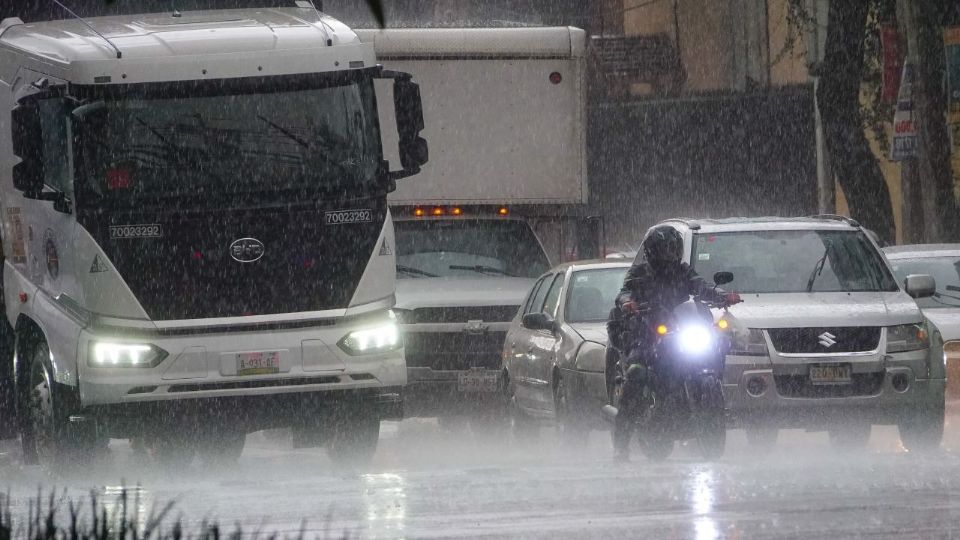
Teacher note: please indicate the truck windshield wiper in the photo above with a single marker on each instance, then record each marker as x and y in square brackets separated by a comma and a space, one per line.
[938, 295]
[305, 144]
[414, 271]
[481, 269]
[818, 269]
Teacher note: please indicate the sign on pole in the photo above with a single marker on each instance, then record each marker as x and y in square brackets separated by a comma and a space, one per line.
[904, 129]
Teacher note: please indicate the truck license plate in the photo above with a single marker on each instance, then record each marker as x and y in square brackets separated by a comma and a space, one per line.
[258, 363]
[479, 381]
[835, 374]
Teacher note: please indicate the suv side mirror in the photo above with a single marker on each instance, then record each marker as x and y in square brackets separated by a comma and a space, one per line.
[722, 278]
[920, 285]
[539, 321]
[414, 152]
[27, 138]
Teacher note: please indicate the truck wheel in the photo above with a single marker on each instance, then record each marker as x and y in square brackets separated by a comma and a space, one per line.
[922, 429]
[8, 394]
[354, 441]
[853, 436]
[221, 447]
[49, 435]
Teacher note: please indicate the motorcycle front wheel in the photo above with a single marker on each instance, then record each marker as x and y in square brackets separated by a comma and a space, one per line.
[712, 428]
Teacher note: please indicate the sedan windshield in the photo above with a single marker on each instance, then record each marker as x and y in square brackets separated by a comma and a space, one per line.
[434, 248]
[792, 261]
[309, 135]
[592, 293]
[946, 272]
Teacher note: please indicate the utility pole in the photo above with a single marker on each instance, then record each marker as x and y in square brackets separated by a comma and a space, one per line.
[815, 38]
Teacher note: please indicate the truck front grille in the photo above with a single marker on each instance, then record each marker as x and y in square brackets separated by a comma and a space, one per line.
[459, 314]
[799, 386]
[825, 340]
[454, 350]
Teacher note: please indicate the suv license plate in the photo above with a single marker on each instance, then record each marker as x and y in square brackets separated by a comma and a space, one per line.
[836, 374]
[258, 363]
[478, 381]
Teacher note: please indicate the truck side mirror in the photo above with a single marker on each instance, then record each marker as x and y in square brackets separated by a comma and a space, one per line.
[27, 139]
[409, 113]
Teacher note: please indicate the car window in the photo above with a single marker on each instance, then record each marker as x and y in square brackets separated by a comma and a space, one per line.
[538, 297]
[533, 292]
[592, 293]
[945, 271]
[550, 304]
[792, 261]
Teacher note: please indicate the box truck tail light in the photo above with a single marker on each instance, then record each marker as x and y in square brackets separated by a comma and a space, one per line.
[437, 211]
[555, 77]
[503, 211]
[418, 212]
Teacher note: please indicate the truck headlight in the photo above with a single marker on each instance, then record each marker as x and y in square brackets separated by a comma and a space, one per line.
[107, 354]
[907, 337]
[382, 338]
[748, 342]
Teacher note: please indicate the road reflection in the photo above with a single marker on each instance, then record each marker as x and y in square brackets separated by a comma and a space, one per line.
[385, 500]
[702, 496]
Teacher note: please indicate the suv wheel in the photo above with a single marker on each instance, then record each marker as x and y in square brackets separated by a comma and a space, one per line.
[922, 429]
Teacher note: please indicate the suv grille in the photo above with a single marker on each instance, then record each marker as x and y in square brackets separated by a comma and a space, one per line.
[799, 386]
[825, 340]
[453, 350]
[459, 314]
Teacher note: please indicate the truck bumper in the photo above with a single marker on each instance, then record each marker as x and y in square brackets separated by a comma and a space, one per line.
[438, 393]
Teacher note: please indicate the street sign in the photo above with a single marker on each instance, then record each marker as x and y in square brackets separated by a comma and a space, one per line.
[904, 129]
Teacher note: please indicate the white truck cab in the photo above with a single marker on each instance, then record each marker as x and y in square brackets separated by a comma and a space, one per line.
[196, 236]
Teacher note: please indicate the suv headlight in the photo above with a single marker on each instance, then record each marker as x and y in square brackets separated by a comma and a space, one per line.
[907, 337]
[125, 355]
[748, 342]
[382, 338]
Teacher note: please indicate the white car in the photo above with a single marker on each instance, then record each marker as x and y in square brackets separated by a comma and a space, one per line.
[826, 337]
[942, 261]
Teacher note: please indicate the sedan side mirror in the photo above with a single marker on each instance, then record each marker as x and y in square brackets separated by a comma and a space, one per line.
[539, 321]
[920, 285]
[722, 278]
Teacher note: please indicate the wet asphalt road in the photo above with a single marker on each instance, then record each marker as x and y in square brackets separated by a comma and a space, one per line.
[429, 482]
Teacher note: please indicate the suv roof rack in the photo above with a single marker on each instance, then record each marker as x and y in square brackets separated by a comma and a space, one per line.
[837, 217]
[689, 222]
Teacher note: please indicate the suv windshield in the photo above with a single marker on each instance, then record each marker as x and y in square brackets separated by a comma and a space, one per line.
[792, 261]
[310, 134]
[592, 293]
[946, 272]
[433, 248]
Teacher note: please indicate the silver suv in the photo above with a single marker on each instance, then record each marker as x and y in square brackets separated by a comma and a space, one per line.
[826, 338]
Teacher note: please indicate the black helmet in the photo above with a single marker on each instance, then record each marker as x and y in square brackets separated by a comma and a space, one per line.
[663, 247]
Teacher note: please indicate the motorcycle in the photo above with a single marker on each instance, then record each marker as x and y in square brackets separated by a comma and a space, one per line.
[683, 395]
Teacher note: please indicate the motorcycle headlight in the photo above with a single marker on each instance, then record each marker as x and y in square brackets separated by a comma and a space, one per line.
[695, 339]
[907, 337]
[378, 339]
[748, 342]
[135, 355]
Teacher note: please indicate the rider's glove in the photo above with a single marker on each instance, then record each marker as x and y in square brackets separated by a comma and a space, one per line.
[629, 307]
[732, 298]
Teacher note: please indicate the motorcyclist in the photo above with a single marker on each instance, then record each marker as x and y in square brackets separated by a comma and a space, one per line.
[660, 278]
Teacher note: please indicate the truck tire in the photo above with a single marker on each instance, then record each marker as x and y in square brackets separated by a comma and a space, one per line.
[49, 437]
[922, 429]
[222, 446]
[354, 439]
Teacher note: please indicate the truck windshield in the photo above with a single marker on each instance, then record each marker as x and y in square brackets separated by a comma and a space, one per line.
[435, 248]
[312, 135]
[776, 261]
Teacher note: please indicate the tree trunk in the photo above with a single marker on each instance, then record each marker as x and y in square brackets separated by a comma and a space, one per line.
[838, 97]
[921, 22]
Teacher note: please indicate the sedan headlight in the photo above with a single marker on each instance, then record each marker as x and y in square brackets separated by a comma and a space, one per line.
[125, 355]
[378, 339]
[907, 337]
[748, 342]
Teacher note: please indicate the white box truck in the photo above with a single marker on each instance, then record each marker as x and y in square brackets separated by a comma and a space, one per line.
[196, 237]
[503, 197]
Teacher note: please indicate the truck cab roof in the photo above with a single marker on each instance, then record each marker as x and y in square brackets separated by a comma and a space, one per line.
[191, 45]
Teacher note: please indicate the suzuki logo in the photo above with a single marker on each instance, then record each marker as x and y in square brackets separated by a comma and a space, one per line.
[827, 339]
[246, 250]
